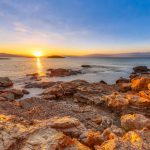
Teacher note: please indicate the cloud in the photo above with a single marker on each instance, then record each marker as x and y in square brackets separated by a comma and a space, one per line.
[19, 27]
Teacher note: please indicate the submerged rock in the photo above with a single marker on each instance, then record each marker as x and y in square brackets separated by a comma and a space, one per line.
[61, 72]
[42, 85]
[86, 66]
[11, 94]
[122, 80]
[5, 82]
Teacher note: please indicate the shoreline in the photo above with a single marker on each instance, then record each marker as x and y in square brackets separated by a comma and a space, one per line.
[77, 114]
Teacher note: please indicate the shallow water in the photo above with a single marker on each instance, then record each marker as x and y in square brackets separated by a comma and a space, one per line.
[107, 69]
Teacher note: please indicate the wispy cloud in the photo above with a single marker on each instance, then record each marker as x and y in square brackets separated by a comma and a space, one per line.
[19, 27]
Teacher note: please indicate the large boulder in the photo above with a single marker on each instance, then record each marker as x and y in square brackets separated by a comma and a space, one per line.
[140, 69]
[90, 138]
[116, 101]
[135, 121]
[68, 125]
[138, 101]
[140, 83]
[5, 82]
[133, 140]
[17, 134]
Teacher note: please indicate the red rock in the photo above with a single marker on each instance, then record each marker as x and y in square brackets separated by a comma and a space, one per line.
[5, 82]
[25, 91]
[116, 101]
[68, 125]
[124, 87]
[135, 121]
[133, 140]
[90, 138]
[140, 83]
[61, 72]
[138, 101]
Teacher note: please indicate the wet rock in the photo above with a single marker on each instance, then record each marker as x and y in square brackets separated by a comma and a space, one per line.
[86, 66]
[25, 91]
[34, 76]
[42, 85]
[11, 94]
[5, 82]
[140, 83]
[135, 121]
[116, 101]
[122, 80]
[102, 82]
[61, 72]
[140, 69]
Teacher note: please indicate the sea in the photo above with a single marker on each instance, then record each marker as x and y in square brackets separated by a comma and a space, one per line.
[107, 69]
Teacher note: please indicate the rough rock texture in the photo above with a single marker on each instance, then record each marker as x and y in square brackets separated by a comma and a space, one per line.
[138, 101]
[20, 136]
[135, 121]
[140, 83]
[116, 101]
[77, 115]
[70, 126]
[5, 82]
[133, 140]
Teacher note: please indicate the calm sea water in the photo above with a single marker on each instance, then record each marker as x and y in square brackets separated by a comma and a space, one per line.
[107, 69]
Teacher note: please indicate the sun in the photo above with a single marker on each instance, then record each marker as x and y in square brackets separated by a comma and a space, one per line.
[37, 54]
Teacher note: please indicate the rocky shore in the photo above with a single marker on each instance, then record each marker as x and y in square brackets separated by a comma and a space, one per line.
[76, 115]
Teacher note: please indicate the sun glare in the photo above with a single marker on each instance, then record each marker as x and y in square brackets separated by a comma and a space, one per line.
[37, 54]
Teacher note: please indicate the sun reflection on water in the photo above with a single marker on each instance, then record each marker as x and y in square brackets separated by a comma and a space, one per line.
[39, 67]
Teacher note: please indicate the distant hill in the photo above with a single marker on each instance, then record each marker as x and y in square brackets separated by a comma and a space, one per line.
[144, 54]
[10, 55]
[55, 56]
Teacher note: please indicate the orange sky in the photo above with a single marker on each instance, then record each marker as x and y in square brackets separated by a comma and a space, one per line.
[29, 50]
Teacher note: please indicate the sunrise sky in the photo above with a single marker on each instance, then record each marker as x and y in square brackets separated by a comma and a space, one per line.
[74, 27]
